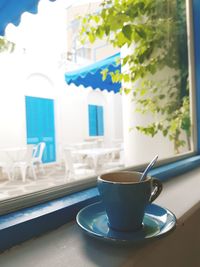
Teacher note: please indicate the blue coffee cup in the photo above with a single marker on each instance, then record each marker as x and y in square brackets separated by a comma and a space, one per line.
[125, 198]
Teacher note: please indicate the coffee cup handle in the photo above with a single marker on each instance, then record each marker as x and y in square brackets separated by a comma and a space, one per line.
[157, 188]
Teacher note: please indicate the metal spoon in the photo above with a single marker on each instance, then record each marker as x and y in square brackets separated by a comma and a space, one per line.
[151, 164]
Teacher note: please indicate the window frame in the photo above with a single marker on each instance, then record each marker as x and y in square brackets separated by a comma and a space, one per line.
[49, 194]
[40, 218]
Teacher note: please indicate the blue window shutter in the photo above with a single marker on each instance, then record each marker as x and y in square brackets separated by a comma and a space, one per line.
[100, 120]
[92, 120]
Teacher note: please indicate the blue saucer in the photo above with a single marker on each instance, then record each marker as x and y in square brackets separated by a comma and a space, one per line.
[157, 222]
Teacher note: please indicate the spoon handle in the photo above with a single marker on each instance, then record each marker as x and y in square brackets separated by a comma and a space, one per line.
[148, 168]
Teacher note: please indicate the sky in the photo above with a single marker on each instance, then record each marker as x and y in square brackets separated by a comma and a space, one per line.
[41, 31]
[44, 32]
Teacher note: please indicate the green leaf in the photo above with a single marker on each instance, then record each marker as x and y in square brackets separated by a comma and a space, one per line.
[127, 31]
[96, 19]
[165, 132]
[99, 33]
[121, 40]
[140, 32]
[127, 91]
[126, 78]
[104, 73]
[185, 125]
[107, 30]
[91, 37]
[162, 96]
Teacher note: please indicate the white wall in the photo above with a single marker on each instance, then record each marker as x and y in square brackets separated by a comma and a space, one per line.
[12, 108]
[74, 113]
[140, 148]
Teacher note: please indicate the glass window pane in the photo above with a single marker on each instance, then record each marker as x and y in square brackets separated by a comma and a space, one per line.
[93, 129]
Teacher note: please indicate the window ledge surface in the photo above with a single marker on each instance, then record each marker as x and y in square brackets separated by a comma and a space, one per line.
[181, 195]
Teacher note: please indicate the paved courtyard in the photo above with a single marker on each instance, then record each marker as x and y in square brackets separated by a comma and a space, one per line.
[54, 175]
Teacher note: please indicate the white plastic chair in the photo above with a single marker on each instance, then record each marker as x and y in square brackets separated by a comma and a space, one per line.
[6, 168]
[37, 155]
[25, 163]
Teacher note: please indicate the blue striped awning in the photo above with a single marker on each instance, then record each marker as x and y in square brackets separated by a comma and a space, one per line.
[90, 76]
[11, 11]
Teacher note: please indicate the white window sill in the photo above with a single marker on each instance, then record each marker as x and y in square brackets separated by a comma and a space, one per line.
[181, 195]
[68, 246]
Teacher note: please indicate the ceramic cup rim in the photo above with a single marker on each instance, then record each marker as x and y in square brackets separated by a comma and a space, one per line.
[102, 179]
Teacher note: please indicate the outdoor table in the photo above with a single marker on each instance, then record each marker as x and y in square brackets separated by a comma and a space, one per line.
[95, 154]
[84, 145]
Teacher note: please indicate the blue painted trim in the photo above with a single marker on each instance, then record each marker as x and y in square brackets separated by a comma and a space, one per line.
[22, 225]
[176, 168]
[196, 23]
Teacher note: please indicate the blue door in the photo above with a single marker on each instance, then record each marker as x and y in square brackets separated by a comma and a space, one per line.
[40, 125]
